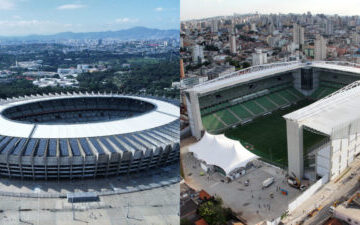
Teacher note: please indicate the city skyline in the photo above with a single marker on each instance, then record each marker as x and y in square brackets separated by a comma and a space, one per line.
[196, 9]
[27, 17]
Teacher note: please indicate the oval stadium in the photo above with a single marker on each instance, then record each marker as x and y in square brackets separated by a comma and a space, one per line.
[79, 135]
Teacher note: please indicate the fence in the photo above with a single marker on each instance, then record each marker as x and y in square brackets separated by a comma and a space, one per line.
[308, 193]
[100, 193]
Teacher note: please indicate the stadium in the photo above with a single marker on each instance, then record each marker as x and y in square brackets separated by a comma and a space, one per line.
[300, 116]
[82, 135]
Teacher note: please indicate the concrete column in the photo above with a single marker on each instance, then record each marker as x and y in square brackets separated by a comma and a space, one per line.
[151, 158]
[295, 148]
[193, 108]
[297, 79]
[119, 164]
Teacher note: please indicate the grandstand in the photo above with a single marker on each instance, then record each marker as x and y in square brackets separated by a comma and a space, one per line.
[240, 103]
[218, 118]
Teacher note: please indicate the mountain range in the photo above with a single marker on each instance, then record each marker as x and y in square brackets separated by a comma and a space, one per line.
[135, 33]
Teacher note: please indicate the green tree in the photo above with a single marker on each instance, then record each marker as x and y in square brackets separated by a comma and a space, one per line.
[245, 65]
[185, 222]
[212, 213]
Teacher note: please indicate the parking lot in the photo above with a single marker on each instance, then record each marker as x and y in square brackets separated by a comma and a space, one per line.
[144, 207]
[144, 198]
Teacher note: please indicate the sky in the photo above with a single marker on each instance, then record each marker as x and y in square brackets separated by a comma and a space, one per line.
[25, 17]
[197, 9]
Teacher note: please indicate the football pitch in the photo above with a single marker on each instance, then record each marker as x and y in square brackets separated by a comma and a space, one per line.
[266, 136]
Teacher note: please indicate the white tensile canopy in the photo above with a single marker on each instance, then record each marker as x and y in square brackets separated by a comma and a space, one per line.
[221, 151]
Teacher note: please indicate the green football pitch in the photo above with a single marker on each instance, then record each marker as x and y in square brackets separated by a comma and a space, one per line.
[266, 136]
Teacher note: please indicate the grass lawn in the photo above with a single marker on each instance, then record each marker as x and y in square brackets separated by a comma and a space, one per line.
[266, 136]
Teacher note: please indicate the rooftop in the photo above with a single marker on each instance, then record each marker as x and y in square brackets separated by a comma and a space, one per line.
[331, 113]
[261, 71]
[164, 113]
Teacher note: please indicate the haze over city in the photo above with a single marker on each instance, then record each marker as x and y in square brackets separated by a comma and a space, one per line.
[25, 17]
[209, 8]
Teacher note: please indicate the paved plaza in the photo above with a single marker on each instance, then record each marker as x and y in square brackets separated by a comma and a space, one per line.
[151, 198]
[252, 202]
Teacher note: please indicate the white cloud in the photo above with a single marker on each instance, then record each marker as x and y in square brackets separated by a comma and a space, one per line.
[6, 5]
[159, 9]
[23, 23]
[16, 17]
[71, 6]
[22, 27]
[126, 20]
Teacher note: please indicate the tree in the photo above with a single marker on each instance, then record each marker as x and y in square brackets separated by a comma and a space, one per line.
[245, 65]
[212, 213]
[211, 48]
[185, 221]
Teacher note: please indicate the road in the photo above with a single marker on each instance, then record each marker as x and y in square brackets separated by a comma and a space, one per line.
[341, 195]
[326, 196]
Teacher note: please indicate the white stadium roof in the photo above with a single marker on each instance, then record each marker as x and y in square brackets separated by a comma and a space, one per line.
[221, 151]
[256, 72]
[331, 113]
[163, 114]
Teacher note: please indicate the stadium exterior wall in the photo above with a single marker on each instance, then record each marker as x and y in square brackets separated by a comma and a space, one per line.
[343, 152]
[89, 166]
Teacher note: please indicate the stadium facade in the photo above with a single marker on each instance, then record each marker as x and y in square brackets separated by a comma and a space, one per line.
[79, 135]
[240, 97]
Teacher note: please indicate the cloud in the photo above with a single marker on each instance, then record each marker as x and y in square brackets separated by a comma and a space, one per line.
[159, 9]
[23, 23]
[6, 5]
[16, 17]
[126, 20]
[26, 27]
[70, 6]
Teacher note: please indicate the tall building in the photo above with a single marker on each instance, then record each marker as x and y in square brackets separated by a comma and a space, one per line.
[298, 35]
[214, 26]
[271, 28]
[181, 42]
[259, 57]
[253, 27]
[233, 44]
[320, 48]
[198, 54]
[355, 38]
[329, 27]
[182, 74]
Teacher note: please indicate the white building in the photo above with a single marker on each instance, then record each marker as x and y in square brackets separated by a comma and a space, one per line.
[214, 26]
[355, 38]
[298, 34]
[54, 82]
[198, 53]
[329, 27]
[259, 57]
[66, 71]
[320, 48]
[233, 44]
[253, 27]
[83, 67]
